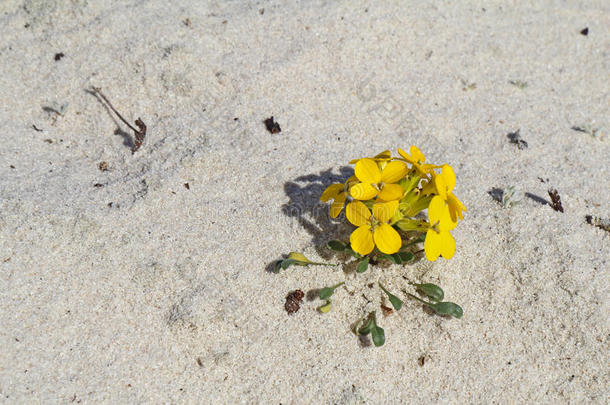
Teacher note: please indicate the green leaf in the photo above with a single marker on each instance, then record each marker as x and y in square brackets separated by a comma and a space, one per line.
[378, 336]
[297, 259]
[442, 308]
[336, 246]
[396, 302]
[390, 258]
[349, 249]
[368, 326]
[405, 257]
[448, 308]
[432, 291]
[277, 266]
[326, 292]
[363, 265]
[284, 264]
[325, 308]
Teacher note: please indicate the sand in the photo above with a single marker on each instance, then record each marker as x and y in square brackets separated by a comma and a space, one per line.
[125, 286]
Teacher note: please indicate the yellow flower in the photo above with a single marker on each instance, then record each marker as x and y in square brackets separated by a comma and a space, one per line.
[382, 157]
[417, 159]
[376, 182]
[373, 229]
[439, 241]
[338, 193]
[444, 183]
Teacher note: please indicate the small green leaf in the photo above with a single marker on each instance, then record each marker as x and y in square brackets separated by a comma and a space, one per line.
[368, 326]
[325, 308]
[298, 259]
[432, 291]
[277, 266]
[396, 302]
[326, 292]
[378, 336]
[363, 265]
[448, 308]
[349, 249]
[390, 258]
[284, 264]
[442, 308]
[336, 246]
[405, 257]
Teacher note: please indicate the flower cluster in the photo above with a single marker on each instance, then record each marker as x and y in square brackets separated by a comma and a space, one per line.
[386, 196]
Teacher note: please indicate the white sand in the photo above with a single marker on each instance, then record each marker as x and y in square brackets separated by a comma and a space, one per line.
[117, 304]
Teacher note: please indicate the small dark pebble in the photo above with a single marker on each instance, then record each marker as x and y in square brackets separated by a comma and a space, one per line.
[421, 361]
[293, 301]
[12, 167]
[59, 55]
[272, 126]
[48, 140]
[98, 185]
[585, 31]
[186, 185]
[103, 166]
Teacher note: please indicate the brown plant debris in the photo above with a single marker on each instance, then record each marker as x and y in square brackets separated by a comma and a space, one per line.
[555, 200]
[599, 222]
[272, 126]
[293, 301]
[139, 134]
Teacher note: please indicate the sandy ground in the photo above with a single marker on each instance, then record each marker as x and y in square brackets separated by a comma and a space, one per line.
[125, 286]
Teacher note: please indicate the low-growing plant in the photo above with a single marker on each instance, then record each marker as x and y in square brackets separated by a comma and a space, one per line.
[395, 204]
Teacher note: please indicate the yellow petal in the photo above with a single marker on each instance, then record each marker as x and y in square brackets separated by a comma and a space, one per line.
[436, 209]
[455, 207]
[385, 211]
[417, 155]
[352, 179]
[432, 245]
[363, 191]
[438, 212]
[391, 192]
[387, 239]
[385, 155]
[361, 240]
[406, 156]
[394, 171]
[447, 245]
[367, 171]
[337, 205]
[331, 192]
[357, 213]
[449, 177]
[441, 186]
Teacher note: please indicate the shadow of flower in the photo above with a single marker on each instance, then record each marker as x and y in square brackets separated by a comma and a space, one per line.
[304, 205]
